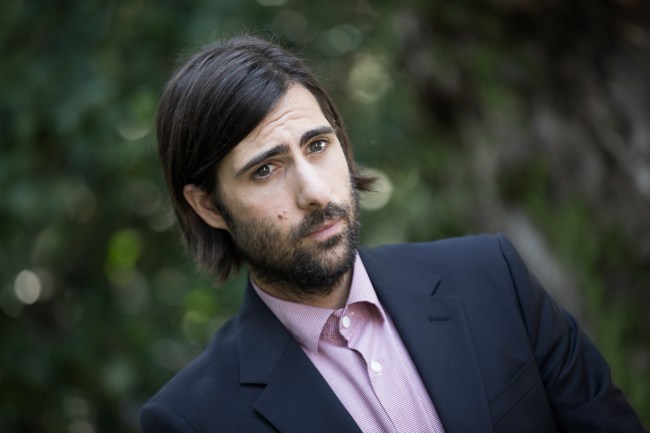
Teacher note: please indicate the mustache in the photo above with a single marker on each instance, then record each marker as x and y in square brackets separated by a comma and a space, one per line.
[318, 217]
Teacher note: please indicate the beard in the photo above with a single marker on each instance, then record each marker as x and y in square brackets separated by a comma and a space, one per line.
[298, 267]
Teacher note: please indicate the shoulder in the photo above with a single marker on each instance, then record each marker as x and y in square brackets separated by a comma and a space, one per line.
[218, 359]
[208, 381]
[479, 270]
[468, 253]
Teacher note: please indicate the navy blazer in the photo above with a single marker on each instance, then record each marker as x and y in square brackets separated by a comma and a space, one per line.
[494, 351]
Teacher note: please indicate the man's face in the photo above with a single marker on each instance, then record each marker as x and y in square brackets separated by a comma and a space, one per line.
[287, 199]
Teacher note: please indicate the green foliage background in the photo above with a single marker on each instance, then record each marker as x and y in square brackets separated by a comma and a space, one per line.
[98, 304]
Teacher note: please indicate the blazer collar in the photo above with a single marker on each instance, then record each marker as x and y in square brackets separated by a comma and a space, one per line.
[294, 394]
[434, 329]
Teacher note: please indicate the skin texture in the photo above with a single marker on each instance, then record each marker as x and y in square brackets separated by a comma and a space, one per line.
[287, 199]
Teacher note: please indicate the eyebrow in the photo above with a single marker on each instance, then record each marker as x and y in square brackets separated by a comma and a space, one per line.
[283, 149]
[321, 130]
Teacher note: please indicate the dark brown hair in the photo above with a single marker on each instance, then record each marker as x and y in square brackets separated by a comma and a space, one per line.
[212, 102]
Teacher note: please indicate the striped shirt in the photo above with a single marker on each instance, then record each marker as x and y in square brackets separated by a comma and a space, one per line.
[361, 356]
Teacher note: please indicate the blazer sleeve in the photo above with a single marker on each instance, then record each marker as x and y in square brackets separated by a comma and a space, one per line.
[576, 376]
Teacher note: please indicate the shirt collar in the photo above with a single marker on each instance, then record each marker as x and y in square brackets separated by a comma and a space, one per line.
[305, 322]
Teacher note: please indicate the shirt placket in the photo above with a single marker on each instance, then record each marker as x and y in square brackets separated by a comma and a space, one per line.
[356, 328]
[387, 383]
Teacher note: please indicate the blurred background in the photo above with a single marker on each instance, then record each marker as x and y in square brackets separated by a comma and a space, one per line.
[522, 116]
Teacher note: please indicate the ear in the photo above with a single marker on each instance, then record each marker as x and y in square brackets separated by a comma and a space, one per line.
[203, 205]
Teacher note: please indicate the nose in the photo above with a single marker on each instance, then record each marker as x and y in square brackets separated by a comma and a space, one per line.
[312, 189]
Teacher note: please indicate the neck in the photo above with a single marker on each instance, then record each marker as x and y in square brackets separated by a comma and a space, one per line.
[331, 297]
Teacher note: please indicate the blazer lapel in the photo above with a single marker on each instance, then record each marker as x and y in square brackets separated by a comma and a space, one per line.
[435, 332]
[294, 396]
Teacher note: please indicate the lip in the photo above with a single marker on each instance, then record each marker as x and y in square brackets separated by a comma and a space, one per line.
[330, 228]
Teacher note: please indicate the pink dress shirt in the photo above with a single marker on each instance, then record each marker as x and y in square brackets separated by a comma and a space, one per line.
[361, 356]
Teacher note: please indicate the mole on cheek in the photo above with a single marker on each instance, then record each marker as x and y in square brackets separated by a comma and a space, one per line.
[282, 216]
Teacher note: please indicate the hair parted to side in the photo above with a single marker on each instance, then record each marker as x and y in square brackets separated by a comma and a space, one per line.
[211, 103]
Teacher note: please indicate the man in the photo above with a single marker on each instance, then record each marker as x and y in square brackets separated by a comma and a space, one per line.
[452, 336]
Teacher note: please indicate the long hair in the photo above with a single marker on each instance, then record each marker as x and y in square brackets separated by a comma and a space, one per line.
[211, 103]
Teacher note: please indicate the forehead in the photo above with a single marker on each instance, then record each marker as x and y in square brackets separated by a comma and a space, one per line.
[296, 109]
[296, 112]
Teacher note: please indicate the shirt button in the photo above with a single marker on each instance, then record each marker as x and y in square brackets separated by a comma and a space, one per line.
[376, 367]
[346, 321]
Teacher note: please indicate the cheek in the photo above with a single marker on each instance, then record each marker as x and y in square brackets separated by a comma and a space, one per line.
[340, 173]
[282, 215]
[269, 210]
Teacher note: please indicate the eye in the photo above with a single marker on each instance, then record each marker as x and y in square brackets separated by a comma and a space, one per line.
[264, 171]
[317, 146]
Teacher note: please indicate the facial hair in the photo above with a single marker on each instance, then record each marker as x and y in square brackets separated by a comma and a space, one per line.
[300, 268]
